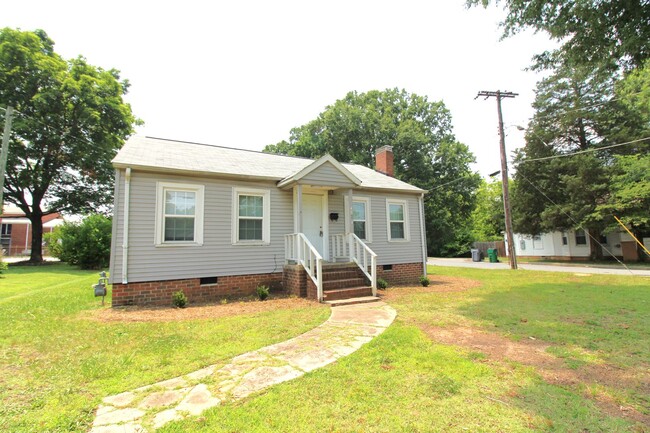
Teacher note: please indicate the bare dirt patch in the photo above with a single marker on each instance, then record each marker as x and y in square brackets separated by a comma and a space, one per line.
[439, 284]
[552, 369]
[532, 353]
[194, 312]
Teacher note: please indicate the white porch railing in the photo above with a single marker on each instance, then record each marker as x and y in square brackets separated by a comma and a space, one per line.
[298, 248]
[350, 246]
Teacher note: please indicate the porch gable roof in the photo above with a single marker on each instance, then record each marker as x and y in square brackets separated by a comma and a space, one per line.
[312, 168]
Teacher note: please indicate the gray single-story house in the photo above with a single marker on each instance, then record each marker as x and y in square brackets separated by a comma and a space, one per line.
[215, 221]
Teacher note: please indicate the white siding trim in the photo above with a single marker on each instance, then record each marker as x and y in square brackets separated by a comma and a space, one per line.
[405, 206]
[266, 218]
[161, 187]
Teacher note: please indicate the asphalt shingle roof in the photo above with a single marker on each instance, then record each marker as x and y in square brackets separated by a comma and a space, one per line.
[171, 155]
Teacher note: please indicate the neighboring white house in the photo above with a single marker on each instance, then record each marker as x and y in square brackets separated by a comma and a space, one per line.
[574, 245]
[215, 221]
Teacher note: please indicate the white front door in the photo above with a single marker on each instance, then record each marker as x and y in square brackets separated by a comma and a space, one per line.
[312, 220]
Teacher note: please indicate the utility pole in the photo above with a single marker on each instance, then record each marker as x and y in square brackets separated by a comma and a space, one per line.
[9, 112]
[504, 173]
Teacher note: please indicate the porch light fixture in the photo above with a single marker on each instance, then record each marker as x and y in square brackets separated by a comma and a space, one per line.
[334, 216]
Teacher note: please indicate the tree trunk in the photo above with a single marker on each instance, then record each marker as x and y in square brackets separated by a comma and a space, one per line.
[37, 238]
[594, 246]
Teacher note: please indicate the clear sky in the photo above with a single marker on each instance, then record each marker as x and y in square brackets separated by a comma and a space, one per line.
[242, 74]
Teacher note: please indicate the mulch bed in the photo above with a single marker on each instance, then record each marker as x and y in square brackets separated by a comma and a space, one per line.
[205, 311]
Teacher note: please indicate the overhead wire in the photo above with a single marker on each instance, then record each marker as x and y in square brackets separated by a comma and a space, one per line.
[595, 149]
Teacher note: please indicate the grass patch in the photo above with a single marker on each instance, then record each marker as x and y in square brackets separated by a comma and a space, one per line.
[56, 365]
[403, 382]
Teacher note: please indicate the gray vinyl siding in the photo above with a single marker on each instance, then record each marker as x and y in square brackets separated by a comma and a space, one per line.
[388, 253]
[327, 175]
[217, 256]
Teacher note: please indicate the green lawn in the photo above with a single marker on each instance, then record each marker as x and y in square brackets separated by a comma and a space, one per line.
[58, 364]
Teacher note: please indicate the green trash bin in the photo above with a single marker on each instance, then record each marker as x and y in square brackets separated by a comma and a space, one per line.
[492, 255]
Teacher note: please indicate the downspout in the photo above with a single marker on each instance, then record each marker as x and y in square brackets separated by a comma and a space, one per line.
[423, 233]
[125, 233]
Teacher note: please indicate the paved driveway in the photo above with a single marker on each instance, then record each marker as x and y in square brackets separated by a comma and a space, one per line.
[572, 268]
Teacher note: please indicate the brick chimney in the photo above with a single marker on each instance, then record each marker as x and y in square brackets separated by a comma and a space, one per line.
[384, 160]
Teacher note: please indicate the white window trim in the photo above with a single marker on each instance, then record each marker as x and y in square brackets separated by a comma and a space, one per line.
[407, 234]
[199, 190]
[366, 201]
[266, 218]
[538, 242]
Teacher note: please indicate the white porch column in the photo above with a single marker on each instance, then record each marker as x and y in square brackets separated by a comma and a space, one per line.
[298, 221]
[348, 213]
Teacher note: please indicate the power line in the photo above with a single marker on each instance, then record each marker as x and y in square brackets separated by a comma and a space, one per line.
[595, 149]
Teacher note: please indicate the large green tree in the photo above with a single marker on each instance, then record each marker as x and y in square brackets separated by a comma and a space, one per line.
[71, 120]
[564, 173]
[426, 154]
[629, 192]
[588, 30]
[488, 218]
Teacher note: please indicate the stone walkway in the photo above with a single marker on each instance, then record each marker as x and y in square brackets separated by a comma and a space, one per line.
[150, 407]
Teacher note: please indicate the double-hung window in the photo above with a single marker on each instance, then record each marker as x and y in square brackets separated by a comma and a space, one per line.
[179, 214]
[397, 213]
[361, 218]
[251, 216]
[581, 237]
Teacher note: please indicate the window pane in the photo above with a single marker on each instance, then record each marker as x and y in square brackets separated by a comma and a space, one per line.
[360, 229]
[250, 230]
[179, 229]
[397, 230]
[358, 211]
[180, 202]
[396, 212]
[251, 206]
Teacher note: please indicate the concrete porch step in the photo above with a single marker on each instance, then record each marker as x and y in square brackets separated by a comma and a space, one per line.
[352, 301]
[347, 293]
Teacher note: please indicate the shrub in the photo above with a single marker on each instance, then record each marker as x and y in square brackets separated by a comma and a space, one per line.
[179, 299]
[3, 265]
[87, 244]
[262, 292]
[424, 280]
[381, 284]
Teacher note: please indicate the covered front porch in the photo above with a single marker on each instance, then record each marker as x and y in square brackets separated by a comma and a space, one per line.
[336, 263]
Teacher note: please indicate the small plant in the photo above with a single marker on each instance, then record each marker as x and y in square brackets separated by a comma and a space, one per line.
[179, 299]
[223, 301]
[424, 280]
[262, 292]
[3, 265]
[381, 284]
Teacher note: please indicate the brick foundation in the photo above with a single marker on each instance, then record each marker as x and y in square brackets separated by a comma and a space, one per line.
[402, 273]
[294, 278]
[160, 292]
[298, 283]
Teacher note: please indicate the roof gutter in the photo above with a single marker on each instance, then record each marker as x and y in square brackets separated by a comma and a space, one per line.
[423, 234]
[125, 232]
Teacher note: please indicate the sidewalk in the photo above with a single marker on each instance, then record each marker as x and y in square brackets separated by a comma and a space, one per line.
[150, 407]
[555, 267]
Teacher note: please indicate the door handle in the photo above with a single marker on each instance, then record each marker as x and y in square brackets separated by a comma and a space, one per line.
[321, 232]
